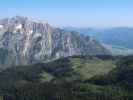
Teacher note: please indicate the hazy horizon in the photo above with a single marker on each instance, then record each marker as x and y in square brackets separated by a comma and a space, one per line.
[74, 13]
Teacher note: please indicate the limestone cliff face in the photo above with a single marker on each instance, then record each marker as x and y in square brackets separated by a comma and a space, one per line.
[33, 41]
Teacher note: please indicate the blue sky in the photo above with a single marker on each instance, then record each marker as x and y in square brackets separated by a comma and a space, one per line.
[78, 13]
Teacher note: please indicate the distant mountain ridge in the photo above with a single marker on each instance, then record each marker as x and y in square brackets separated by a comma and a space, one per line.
[27, 41]
[119, 36]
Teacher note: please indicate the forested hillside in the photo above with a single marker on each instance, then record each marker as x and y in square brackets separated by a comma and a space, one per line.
[71, 78]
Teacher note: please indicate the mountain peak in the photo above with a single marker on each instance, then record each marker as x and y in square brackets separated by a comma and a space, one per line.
[20, 19]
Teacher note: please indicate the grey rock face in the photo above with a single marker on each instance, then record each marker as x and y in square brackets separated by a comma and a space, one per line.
[33, 41]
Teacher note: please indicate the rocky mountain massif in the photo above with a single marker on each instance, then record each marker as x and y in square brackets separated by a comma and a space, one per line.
[27, 41]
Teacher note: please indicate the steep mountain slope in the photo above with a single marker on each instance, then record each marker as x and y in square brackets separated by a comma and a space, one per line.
[33, 41]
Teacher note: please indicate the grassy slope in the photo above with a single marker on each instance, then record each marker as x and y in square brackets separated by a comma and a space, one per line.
[88, 68]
